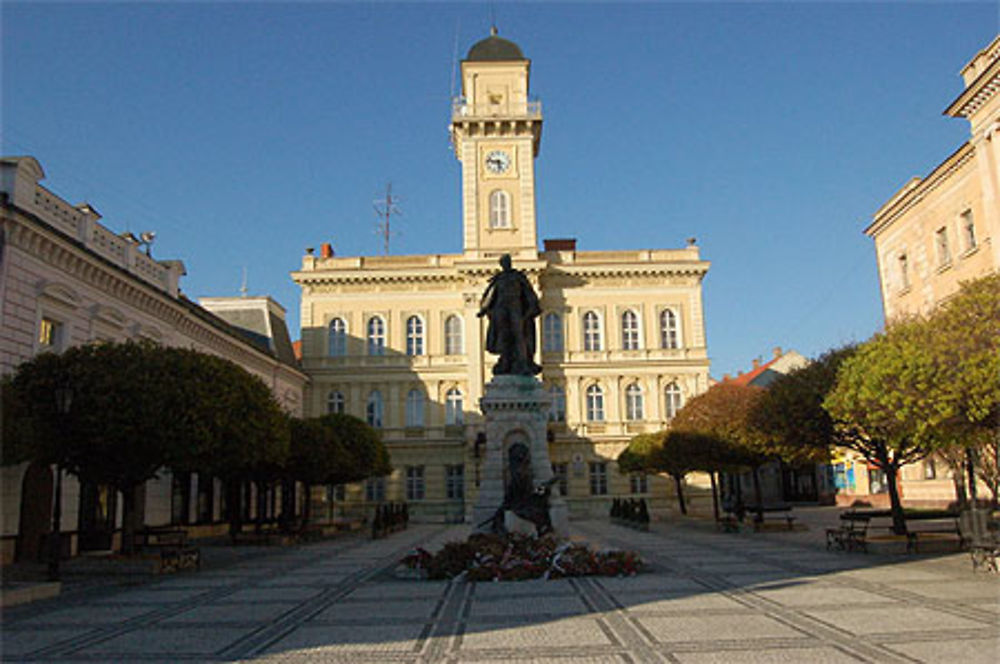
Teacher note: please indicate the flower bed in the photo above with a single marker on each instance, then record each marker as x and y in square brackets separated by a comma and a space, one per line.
[513, 557]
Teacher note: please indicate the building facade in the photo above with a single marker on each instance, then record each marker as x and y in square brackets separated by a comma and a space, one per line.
[943, 229]
[396, 340]
[65, 280]
[932, 235]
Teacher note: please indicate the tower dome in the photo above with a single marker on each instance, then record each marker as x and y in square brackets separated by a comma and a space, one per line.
[494, 48]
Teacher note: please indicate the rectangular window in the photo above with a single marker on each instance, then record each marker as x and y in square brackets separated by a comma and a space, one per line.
[943, 250]
[598, 478]
[375, 489]
[561, 472]
[454, 478]
[50, 334]
[876, 481]
[552, 333]
[904, 271]
[638, 483]
[968, 225]
[414, 482]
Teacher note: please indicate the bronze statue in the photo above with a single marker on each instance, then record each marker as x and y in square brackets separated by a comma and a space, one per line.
[512, 306]
[521, 496]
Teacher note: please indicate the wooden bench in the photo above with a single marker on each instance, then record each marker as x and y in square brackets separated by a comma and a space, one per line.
[771, 513]
[851, 534]
[171, 545]
[931, 523]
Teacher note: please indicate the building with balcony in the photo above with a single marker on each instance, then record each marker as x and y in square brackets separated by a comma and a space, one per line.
[397, 341]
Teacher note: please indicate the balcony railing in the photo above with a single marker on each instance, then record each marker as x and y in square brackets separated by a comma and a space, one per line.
[461, 110]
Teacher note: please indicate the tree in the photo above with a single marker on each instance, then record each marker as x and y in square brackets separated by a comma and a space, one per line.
[875, 399]
[721, 417]
[790, 412]
[138, 407]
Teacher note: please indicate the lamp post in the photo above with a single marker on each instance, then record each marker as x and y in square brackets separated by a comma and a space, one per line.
[64, 398]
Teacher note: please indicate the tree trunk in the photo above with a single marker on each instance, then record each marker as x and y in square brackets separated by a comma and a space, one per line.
[128, 520]
[958, 478]
[970, 465]
[715, 494]
[896, 506]
[678, 482]
[758, 495]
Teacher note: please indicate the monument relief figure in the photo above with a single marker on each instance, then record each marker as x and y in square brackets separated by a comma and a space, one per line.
[512, 306]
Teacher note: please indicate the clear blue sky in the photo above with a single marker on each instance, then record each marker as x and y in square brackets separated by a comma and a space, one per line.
[242, 134]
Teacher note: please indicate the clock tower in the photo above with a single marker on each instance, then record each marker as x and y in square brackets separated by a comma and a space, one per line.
[496, 131]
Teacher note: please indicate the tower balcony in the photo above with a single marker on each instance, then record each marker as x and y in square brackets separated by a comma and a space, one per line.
[462, 110]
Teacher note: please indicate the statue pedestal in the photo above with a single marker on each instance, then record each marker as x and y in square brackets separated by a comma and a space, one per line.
[516, 411]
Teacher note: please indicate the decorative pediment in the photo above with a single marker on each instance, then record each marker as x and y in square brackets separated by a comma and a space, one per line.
[109, 316]
[59, 294]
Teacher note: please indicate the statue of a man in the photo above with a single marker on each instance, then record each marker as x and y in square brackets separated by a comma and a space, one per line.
[512, 306]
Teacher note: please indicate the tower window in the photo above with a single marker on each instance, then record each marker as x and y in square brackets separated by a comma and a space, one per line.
[499, 209]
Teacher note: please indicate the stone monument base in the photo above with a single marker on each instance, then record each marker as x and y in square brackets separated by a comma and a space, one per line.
[516, 412]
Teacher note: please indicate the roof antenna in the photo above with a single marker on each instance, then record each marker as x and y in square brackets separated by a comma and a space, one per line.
[493, 20]
[243, 286]
[384, 209]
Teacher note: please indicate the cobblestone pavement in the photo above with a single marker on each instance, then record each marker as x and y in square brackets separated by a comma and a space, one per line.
[708, 597]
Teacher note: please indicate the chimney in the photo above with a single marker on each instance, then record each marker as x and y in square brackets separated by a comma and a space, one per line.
[326, 250]
[777, 352]
[756, 363]
[560, 244]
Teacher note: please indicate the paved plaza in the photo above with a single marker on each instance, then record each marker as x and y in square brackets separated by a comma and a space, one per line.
[708, 597]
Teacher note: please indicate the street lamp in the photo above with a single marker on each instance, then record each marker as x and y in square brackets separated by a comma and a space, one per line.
[64, 398]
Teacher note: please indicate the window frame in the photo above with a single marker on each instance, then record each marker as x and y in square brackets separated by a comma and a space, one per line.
[673, 400]
[594, 396]
[942, 247]
[416, 402]
[375, 336]
[499, 210]
[553, 339]
[336, 337]
[593, 337]
[335, 398]
[454, 481]
[415, 480]
[454, 335]
[670, 329]
[454, 407]
[557, 405]
[414, 336]
[634, 407]
[630, 330]
[598, 477]
[375, 409]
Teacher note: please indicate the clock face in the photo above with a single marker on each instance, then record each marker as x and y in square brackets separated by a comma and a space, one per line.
[497, 161]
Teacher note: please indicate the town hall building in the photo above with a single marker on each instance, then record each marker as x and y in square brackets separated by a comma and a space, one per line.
[396, 340]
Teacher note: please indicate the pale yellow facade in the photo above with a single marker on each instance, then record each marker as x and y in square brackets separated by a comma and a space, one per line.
[396, 340]
[943, 229]
[939, 231]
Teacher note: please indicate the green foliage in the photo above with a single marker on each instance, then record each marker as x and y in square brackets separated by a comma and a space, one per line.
[638, 456]
[335, 449]
[790, 413]
[720, 420]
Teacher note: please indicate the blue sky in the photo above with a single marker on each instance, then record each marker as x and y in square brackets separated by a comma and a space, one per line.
[243, 133]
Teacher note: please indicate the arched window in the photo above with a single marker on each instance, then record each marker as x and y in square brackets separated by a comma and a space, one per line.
[595, 404]
[376, 336]
[373, 411]
[453, 335]
[453, 407]
[675, 400]
[338, 337]
[669, 337]
[335, 403]
[630, 331]
[633, 402]
[557, 410]
[414, 336]
[499, 209]
[591, 331]
[414, 408]
[552, 333]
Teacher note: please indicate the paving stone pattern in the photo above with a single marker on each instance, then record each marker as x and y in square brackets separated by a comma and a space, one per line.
[708, 597]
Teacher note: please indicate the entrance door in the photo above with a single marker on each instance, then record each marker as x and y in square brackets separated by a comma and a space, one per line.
[97, 516]
[36, 512]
